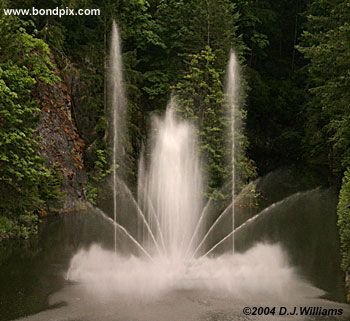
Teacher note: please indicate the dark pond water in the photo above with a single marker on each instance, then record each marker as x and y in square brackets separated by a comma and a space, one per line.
[32, 272]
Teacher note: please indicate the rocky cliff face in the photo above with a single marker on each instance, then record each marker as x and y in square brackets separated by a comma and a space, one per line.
[61, 143]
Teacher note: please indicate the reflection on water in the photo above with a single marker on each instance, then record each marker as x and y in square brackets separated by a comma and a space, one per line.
[31, 270]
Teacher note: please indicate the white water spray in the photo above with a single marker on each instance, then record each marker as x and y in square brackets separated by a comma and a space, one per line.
[117, 105]
[173, 183]
[232, 92]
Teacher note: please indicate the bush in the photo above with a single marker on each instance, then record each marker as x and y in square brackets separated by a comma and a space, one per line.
[344, 220]
[6, 227]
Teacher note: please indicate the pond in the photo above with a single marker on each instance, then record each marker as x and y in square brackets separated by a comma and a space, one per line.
[288, 256]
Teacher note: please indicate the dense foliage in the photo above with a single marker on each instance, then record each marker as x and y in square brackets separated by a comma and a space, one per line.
[326, 43]
[202, 100]
[24, 179]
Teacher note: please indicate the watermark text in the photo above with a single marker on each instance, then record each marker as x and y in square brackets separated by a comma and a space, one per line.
[59, 12]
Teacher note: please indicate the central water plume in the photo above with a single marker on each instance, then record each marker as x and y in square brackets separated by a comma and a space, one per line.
[172, 184]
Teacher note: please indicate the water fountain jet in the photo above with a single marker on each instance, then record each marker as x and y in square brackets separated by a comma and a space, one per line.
[117, 105]
[266, 211]
[122, 228]
[173, 182]
[232, 101]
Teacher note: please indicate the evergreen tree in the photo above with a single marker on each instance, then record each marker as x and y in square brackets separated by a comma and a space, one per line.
[202, 100]
[326, 44]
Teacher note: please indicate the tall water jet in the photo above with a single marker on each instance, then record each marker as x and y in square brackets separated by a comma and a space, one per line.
[117, 106]
[173, 183]
[232, 102]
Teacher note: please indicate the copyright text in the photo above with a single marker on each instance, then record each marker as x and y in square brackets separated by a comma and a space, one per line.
[301, 310]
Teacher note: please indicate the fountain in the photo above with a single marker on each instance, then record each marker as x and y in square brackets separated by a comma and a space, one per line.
[173, 183]
[169, 249]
